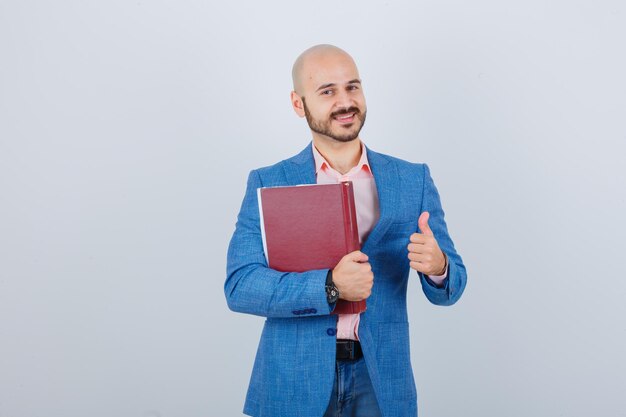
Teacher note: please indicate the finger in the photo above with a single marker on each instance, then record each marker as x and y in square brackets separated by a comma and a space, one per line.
[414, 257]
[419, 238]
[418, 266]
[418, 248]
[357, 256]
[365, 266]
[426, 257]
[422, 222]
[420, 257]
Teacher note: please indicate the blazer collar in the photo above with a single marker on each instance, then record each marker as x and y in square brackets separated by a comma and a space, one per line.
[300, 169]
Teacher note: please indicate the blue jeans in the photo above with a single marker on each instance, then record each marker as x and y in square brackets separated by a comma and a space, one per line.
[353, 394]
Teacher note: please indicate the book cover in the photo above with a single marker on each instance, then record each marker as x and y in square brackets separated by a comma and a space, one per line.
[307, 227]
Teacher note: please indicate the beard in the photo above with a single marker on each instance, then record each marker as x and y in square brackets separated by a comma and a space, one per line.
[324, 127]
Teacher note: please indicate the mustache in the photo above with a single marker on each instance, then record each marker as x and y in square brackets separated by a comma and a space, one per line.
[339, 112]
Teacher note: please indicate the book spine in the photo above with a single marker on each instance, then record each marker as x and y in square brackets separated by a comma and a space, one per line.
[351, 233]
[349, 217]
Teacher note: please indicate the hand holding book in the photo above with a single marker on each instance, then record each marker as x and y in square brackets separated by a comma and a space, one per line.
[353, 277]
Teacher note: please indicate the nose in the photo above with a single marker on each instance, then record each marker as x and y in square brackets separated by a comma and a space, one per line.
[343, 100]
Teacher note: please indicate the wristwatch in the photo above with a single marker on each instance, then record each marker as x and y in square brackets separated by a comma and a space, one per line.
[332, 293]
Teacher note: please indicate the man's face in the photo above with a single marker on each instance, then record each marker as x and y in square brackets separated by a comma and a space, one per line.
[333, 100]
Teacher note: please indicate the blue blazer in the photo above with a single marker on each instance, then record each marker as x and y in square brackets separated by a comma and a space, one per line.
[295, 363]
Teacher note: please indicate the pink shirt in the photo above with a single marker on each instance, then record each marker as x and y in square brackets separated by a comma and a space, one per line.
[367, 213]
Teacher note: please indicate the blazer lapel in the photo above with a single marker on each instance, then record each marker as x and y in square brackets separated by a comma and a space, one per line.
[300, 169]
[386, 179]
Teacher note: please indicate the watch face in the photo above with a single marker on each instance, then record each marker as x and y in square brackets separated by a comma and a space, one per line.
[332, 293]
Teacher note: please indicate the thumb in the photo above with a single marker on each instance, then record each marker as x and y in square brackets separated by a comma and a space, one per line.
[422, 222]
[358, 256]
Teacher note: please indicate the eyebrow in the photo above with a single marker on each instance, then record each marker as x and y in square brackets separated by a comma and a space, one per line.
[323, 86]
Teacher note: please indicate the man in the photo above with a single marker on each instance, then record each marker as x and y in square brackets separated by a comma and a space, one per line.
[309, 362]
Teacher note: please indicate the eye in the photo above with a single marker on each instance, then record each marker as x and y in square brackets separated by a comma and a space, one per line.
[326, 92]
[353, 87]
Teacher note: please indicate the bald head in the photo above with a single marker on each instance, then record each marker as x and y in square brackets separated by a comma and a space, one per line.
[327, 91]
[316, 59]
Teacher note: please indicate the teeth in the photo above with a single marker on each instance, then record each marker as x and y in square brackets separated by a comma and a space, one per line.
[347, 116]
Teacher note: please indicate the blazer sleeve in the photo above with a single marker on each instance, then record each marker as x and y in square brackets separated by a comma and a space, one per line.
[453, 286]
[252, 287]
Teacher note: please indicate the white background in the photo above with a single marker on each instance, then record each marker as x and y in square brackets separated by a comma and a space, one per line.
[127, 130]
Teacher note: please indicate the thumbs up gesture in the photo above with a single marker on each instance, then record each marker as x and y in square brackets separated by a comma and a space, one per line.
[424, 252]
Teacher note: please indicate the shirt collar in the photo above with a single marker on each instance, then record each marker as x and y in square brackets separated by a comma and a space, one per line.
[322, 163]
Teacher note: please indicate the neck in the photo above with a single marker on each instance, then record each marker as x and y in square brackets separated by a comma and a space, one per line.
[342, 156]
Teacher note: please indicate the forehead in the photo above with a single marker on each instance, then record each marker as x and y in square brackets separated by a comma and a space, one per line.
[333, 68]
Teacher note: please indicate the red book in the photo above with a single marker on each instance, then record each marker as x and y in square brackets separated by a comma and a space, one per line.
[308, 227]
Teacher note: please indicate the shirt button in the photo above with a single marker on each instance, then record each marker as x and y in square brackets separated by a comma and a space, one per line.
[331, 332]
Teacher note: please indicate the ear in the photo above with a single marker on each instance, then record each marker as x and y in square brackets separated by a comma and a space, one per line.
[296, 102]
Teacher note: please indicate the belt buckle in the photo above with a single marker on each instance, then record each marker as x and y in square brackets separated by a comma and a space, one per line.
[350, 350]
[347, 348]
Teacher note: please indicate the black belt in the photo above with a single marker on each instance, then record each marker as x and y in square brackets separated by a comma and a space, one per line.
[348, 349]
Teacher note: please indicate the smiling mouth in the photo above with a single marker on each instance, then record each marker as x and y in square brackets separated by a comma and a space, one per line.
[345, 118]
